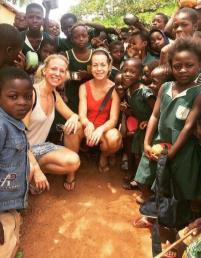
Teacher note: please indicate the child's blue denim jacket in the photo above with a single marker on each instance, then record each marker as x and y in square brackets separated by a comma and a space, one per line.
[14, 163]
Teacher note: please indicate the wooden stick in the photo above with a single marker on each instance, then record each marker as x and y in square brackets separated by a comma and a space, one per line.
[175, 243]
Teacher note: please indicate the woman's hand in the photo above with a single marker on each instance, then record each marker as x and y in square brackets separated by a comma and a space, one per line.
[71, 124]
[40, 179]
[89, 130]
[123, 106]
[96, 136]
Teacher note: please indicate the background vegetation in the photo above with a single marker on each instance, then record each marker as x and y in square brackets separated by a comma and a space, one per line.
[110, 12]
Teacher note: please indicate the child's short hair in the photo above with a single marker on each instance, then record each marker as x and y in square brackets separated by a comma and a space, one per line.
[48, 41]
[137, 61]
[11, 37]
[152, 65]
[164, 16]
[144, 35]
[187, 44]
[32, 6]
[68, 15]
[191, 13]
[9, 73]
[115, 43]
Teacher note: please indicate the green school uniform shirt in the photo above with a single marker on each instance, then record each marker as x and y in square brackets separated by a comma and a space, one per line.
[72, 87]
[185, 167]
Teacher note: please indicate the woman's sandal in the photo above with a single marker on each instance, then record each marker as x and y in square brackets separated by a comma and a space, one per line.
[69, 185]
[142, 222]
[103, 169]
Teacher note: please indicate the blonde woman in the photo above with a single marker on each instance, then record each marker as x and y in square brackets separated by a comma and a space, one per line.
[99, 126]
[46, 156]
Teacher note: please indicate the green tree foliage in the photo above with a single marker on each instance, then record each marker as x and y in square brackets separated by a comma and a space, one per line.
[110, 12]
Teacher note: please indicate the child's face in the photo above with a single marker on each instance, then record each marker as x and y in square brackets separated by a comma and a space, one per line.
[20, 21]
[183, 26]
[34, 19]
[157, 80]
[16, 98]
[157, 41]
[117, 53]
[55, 72]
[185, 67]
[80, 37]
[46, 51]
[146, 78]
[66, 26]
[130, 73]
[53, 28]
[138, 44]
[158, 22]
[99, 66]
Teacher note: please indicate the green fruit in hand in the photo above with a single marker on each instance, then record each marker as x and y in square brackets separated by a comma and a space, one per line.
[31, 60]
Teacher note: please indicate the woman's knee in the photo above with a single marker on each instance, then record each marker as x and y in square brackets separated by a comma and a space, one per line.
[71, 161]
[114, 139]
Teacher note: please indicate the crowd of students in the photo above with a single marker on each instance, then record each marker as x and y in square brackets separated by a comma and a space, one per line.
[133, 90]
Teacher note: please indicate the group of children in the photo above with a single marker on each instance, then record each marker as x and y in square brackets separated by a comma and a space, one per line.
[156, 73]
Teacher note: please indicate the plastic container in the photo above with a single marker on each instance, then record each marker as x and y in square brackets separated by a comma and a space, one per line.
[31, 60]
[53, 4]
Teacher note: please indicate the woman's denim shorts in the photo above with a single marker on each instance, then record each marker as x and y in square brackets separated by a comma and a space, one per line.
[41, 149]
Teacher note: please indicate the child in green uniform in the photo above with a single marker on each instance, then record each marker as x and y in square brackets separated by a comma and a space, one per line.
[140, 101]
[174, 116]
[78, 57]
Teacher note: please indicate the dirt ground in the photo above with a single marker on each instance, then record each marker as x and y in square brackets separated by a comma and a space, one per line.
[93, 221]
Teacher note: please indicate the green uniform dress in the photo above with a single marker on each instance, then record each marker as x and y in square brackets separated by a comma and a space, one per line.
[185, 168]
[142, 111]
[72, 87]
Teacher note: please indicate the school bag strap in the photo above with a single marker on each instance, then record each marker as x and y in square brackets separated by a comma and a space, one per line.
[35, 100]
[104, 102]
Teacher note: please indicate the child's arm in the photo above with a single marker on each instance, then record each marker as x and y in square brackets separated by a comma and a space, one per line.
[188, 127]
[151, 127]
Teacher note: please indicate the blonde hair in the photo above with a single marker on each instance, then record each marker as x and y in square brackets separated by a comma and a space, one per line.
[40, 71]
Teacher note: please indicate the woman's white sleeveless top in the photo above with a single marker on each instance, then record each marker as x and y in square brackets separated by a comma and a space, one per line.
[40, 123]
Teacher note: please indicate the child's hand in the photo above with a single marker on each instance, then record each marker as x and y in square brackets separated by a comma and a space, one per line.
[20, 62]
[1, 234]
[148, 152]
[194, 225]
[123, 106]
[83, 75]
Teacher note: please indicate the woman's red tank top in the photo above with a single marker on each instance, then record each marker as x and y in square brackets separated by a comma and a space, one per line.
[93, 106]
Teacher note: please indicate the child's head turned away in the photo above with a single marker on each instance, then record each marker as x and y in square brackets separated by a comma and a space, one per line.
[10, 45]
[16, 91]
